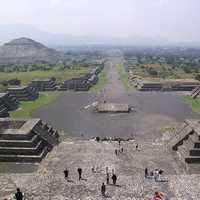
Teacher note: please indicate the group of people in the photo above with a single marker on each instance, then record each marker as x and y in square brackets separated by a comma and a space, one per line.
[120, 150]
[154, 174]
[79, 170]
[114, 180]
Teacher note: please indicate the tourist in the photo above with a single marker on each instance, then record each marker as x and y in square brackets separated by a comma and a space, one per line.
[119, 142]
[146, 174]
[160, 171]
[136, 147]
[116, 152]
[18, 195]
[103, 189]
[79, 173]
[152, 174]
[158, 196]
[66, 173]
[93, 170]
[114, 178]
[107, 178]
[98, 139]
[122, 149]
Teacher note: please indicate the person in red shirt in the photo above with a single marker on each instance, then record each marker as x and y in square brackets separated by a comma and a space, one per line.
[158, 196]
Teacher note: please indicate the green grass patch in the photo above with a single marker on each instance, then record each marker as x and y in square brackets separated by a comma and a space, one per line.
[194, 103]
[60, 75]
[28, 107]
[101, 82]
[124, 78]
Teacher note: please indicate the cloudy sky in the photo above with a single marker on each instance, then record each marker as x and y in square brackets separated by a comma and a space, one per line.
[174, 20]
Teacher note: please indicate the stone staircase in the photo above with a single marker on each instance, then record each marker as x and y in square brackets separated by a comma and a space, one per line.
[3, 110]
[186, 143]
[195, 92]
[25, 141]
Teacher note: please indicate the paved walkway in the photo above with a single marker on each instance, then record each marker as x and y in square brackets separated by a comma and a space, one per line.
[48, 182]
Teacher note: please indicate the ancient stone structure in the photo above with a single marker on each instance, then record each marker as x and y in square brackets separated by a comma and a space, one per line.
[164, 85]
[76, 84]
[25, 140]
[82, 83]
[3, 110]
[186, 145]
[44, 84]
[112, 108]
[10, 102]
[24, 93]
[7, 103]
[27, 51]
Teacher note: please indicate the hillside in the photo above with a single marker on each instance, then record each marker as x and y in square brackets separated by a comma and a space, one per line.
[28, 51]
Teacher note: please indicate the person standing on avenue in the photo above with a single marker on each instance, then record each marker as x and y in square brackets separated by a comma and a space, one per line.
[103, 189]
[66, 173]
[18, 195]
[114, 178]
[79, 173]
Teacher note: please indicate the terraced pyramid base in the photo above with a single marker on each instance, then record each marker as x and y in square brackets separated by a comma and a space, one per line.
[25, 140]
[186, 145]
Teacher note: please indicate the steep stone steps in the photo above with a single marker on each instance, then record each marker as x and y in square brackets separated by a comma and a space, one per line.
[3, 111]
[20, 143]
[23, 150]
[24, 158]
[29, 138]
[192, 159]
[180, 136]
[10, 134]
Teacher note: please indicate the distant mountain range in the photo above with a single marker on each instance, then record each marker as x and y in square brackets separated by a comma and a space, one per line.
[28, 51]
[8, 32]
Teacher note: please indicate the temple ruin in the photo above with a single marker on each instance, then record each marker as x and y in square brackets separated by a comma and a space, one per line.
[3, 110]
[25, 140]
[44, 84]
[167, 85]
[83, 83]
[186, 145]
[7, 103]
[23, 93]
[162, 85]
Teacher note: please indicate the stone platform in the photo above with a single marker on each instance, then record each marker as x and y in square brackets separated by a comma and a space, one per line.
[7, 103]
[112, 108]
[23, 93]
[25, 140]
[44, 84]
[83, 83]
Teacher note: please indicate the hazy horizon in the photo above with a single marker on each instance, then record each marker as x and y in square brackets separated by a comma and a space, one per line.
[168, 21]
